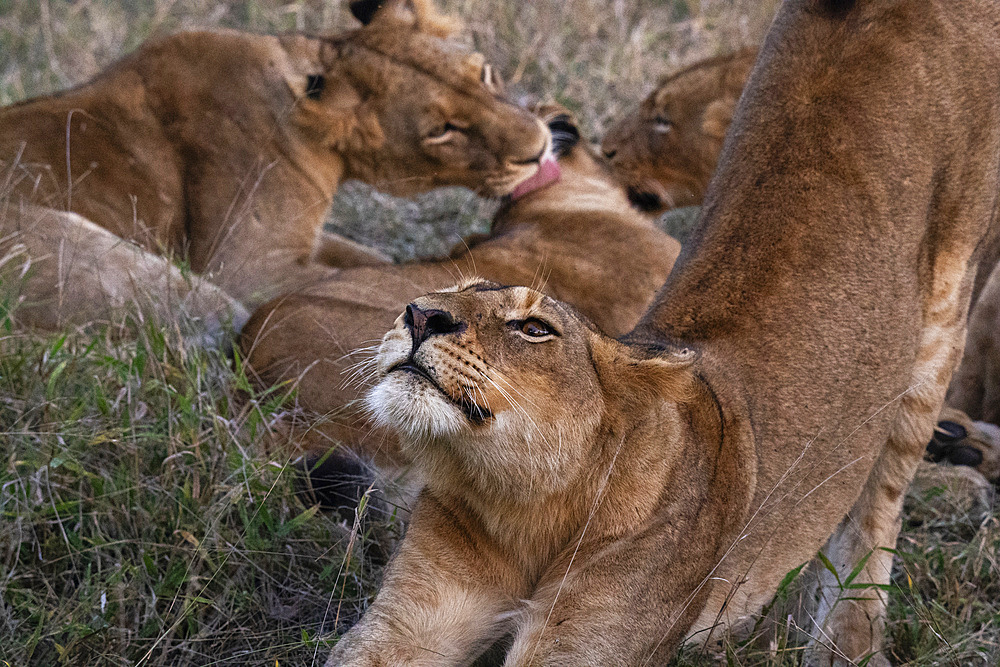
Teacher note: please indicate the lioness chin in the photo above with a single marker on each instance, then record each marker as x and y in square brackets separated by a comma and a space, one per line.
[225, 148]
[604, 501]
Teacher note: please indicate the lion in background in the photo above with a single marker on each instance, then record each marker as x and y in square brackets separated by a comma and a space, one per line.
[665, 151]
[225, 148]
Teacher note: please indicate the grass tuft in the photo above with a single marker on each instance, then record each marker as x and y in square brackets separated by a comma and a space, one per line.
[148, 513]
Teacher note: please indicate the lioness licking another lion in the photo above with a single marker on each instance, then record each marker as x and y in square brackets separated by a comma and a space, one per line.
[224, 149]
[775, 401]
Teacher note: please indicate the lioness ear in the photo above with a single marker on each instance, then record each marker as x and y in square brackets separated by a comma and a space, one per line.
[562, 124]
[638, 377]
[717, 117]
[418, 13]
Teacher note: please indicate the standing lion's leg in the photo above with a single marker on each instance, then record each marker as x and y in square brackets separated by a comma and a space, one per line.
[850, 620]
[64, 270]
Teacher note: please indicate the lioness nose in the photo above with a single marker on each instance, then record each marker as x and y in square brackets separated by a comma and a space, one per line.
[610, 153]
[426, 323]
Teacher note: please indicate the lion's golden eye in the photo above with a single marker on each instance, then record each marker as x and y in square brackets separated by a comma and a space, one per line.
[536, 328]
[662, 124]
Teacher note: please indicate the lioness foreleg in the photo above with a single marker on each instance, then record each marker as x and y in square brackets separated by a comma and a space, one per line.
[447, 595]
[850, 620]
[341, 252]
[613, 603]
[75, 273]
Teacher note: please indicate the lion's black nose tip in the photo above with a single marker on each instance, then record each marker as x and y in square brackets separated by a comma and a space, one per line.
[610, 153]
[431, 322]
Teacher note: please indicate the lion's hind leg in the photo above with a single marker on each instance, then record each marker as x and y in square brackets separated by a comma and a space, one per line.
[63, 270]
[975, 389]
[850, 620]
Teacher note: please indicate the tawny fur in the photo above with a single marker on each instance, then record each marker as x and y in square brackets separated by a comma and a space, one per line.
[578, 239]
[224, 149]
[667, 166]
[665, 151]
[825, 291]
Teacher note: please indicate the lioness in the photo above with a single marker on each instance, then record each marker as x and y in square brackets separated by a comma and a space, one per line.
[665, 151]
[630, 495]
[226, 148]
[574, 233]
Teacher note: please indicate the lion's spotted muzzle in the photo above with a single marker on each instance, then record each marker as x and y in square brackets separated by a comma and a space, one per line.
[423, 324]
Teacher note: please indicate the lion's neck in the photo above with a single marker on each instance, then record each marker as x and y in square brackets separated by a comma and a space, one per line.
[615, 489]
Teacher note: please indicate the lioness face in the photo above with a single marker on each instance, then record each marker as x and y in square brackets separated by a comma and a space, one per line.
[479, 378]
[416, 111]
[665, 151]
[655, 152]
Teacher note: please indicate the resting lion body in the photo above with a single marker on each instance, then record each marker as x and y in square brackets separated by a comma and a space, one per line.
[774, 401]
[578, 238]
[224, 149]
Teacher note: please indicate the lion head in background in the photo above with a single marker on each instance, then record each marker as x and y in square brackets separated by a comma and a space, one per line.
[665, 151]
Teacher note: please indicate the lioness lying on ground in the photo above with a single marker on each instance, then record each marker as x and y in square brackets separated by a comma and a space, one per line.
[666, 150]
[225, 149]
[576, 236]
[630, 495]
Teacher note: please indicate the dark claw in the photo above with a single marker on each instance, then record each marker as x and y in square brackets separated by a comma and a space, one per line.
[948, 432]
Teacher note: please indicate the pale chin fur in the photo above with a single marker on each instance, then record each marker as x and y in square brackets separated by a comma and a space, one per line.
[412, 408]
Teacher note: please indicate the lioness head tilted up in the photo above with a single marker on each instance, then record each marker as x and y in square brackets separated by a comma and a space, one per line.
[515, 409]
[503, 389]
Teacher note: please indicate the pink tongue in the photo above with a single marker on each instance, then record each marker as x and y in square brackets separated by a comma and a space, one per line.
[548, 172]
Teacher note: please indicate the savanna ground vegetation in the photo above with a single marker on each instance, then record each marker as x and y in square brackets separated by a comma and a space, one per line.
[149, 515]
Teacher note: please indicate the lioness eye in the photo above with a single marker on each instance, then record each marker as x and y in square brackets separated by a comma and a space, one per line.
[535, 328]
[663, 124]
[442, 134]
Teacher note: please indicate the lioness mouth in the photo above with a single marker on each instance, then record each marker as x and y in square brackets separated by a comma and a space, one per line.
[475, 412]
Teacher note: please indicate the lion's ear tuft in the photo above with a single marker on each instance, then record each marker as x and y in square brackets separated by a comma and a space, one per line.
[419, 14]
[638, 376]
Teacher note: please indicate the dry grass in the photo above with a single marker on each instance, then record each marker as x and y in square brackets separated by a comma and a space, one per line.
[145, 519]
